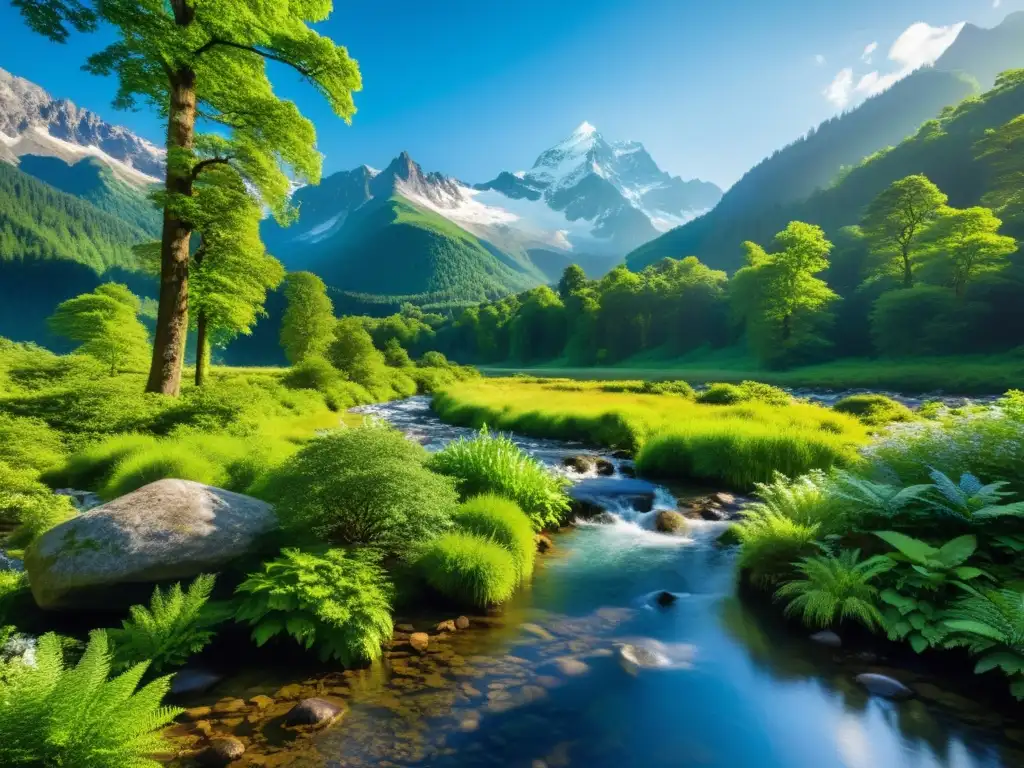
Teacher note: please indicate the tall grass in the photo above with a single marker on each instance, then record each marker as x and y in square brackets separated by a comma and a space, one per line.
[494, 464]
[737, 445]
[469, 569]
[502, 521]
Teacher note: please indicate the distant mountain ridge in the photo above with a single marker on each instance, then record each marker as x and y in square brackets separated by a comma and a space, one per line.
[816, 161]
[34, 123]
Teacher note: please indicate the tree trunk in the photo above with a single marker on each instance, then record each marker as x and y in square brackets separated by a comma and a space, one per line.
[172, 315]
[202, 349]
[908, 273]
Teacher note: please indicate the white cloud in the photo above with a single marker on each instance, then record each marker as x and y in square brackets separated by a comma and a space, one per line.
[920, 45]
[996, 3]
[840, 89]
[819, 59]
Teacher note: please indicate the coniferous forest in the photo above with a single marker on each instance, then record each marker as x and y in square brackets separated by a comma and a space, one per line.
[357, 473]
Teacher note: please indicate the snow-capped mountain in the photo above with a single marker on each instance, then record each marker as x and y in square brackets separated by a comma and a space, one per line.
[616, 187]
[34, 123]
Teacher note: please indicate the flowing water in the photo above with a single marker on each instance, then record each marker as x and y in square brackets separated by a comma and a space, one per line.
[583, 668]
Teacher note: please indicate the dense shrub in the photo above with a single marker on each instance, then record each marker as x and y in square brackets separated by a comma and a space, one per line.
[433, 359]
[13, 584]
[175, 626]
[365, 486]
[469, 569]
[874, 410]
[832, 589]
[721, 394]
[770, 543]
[313, 373]
[765, 393]
[38, 514]
[54, 716]
[494, 464]
[163, 460]
[18, 487]
[677, 387]
[988, 443]
[502, 521]
[91, 466]
[29, 443]
[338, 602]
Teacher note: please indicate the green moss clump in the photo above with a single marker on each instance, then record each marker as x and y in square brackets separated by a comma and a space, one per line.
[722, 394]
[502, 521]
[874, 410]
[469, 569]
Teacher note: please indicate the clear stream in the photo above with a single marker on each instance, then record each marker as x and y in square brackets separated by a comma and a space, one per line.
[543, 685]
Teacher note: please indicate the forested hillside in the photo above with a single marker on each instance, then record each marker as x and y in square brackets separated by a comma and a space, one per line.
[91, 180]
[754, 204]
[391, 248]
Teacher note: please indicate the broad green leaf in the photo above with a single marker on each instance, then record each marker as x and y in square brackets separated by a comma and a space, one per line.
[903, 603]
[918, 643]
[956, 551]
[915, 549]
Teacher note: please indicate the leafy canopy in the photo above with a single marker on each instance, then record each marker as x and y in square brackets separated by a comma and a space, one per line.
[106, 325]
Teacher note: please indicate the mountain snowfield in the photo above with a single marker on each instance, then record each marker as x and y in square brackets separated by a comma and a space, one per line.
[34, 123]
[584, 195]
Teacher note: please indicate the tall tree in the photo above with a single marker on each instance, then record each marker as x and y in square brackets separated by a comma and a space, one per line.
[307, 328]
[231, 271]
[207, 60]
[1003, 149]
[895, 221]
[966, 243]
[777, 295]
[106, 325]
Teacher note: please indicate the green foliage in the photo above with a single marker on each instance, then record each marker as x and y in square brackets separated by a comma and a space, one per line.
[676, 387]
[362, 487]
[175, 626]
[51, 715]
[28, 442]
[835, 587]
[494, 464]
[307, 327]
[872, 501]
[91, 466]
[338, 602]
[161, 461]
[352, 352]
[395, 354]
[770, 543]
[721, 394]
[106, 325]
[923, 579]
[809, 500]
[923, 320]
[38, 514]
[874, 410]
[966, 244]
[970, 499]
[13, 585]
[503, 522]
[896, 221]
[39, 222]
[470, 569]
[990, 624]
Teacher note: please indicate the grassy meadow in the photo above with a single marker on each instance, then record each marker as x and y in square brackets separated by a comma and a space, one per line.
[671, 435]
[962, 374]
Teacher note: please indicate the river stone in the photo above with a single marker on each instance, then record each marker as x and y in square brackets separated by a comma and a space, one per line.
[665, 599]
[188, 681]
[604, 467]
[462, 622]
[170, 529]
[221, 752]
[420, 641]
[884, 686]
[827, 637]
[580, 464]
[315, 712]
[669, 522]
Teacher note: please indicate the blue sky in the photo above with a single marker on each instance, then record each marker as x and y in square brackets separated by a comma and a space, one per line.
[473, 87]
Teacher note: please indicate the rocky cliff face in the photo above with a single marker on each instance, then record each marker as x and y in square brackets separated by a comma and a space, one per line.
[34, 123]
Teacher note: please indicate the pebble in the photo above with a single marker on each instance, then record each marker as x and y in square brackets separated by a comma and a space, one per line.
[827, 637]
[884, 686]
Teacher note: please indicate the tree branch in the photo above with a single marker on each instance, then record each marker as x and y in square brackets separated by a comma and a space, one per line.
[202, 165]
[304, 71]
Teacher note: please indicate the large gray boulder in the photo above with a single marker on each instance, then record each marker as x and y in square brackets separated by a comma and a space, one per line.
[170, 529]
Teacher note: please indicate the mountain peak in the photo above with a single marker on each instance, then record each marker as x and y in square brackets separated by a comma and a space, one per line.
[584, 129]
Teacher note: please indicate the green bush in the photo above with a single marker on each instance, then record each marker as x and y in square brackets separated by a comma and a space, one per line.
[54, 716]
[29, 443]
[433, 359]
[37, 515]
[502, 521]
[163, 460]
[365, 486]
[494, 464]
[874, 410]
[470, 569]
[721, 394]
[13, 585]
[678, 387]
[18, 487]
[313, 373]
[337, 601]
[809, 499]
[91, 466]
[175, 626]
[395, 354]
[835, 588]
[770, 543]
[765, 393]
